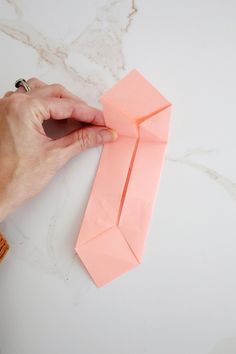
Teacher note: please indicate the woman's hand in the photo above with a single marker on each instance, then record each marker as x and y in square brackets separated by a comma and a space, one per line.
[28, 158]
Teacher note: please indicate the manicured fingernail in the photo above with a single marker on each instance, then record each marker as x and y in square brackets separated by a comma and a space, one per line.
[106, 135]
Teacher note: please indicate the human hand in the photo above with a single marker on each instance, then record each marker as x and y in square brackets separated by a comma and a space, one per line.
[28, 157]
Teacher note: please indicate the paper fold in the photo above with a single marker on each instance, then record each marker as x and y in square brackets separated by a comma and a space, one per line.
[115, 224]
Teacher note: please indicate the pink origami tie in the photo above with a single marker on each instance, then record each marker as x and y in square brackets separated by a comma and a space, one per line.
[116, 220]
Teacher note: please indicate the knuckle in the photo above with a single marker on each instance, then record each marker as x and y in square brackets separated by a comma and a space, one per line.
[58, 88]
[84, 139]
[32, 80]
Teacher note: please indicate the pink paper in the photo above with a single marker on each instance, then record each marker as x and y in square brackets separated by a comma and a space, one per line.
[115, 224]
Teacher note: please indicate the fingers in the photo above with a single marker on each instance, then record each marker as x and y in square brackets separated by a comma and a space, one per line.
[57, 91]
[63, 108]
[40, 88]
[80, 140]
[61, 103]
[33, 83]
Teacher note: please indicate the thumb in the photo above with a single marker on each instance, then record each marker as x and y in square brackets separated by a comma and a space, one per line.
[84, 138]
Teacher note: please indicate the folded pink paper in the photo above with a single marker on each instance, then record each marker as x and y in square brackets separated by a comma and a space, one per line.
[115, 224]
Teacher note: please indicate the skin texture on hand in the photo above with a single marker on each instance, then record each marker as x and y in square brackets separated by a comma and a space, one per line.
[28, 157]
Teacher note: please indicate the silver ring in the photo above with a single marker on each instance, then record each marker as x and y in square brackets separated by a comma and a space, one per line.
[23, 83]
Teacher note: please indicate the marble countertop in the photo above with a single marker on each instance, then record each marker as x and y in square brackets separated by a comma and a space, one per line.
[181, 300]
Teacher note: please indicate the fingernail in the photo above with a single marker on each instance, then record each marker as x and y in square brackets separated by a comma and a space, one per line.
[106, 135]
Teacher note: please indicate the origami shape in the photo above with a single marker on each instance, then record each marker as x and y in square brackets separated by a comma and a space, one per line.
[116, 220]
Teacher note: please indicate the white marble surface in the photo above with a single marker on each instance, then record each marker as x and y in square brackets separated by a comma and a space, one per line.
[181, 300]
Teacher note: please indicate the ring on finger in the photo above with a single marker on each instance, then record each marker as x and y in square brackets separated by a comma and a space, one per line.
[22, 83]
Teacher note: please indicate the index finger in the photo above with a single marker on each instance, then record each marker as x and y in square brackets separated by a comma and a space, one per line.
[63, 108]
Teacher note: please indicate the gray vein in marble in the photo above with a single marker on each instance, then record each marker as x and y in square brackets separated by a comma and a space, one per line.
[228, 185]
[48, 51]
[67, 274]
[27, 251]
[131, 15]
[63, 271]
[24, 248]
[60, 203]
[100, 43]
[15, 6]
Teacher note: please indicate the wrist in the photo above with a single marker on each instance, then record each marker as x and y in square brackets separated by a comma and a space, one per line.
[6, 199]
[5, 207]
[7, 191]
